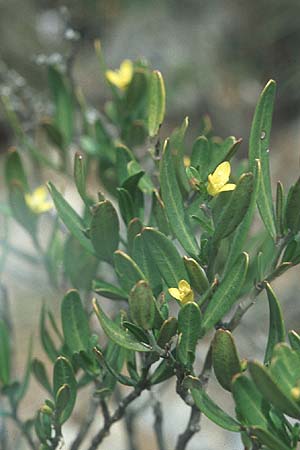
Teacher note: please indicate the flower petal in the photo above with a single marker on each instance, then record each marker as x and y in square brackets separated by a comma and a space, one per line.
[188, 298]
[175, 293]
[183, 285]
[222, 173]
[228, 187]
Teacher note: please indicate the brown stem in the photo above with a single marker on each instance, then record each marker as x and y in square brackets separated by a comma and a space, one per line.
[120, 411]
[85, 426]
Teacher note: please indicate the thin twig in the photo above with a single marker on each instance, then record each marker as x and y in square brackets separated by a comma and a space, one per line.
[193, 425]
[129, 419]
[85, 426]
[158, 424]
[120, 411]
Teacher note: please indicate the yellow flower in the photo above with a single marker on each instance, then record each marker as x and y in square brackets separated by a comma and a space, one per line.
[184, 293]
[121, 77]
[37, 201]
[186, 161]
[217, 182]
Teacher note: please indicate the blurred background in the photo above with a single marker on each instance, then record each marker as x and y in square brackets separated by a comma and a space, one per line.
[215, 57]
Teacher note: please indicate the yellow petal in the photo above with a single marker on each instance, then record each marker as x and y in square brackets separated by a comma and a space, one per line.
[175, 293]
[126, 71]
[188, 298]
[112, 77]
[183, 285]
[212, 189]
[222, 173]
[40, 193]
[228, 187]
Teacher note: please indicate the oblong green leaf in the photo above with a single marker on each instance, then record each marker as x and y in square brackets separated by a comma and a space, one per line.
[276, 323]
[167, 331]
[63, 374]
[213, 411]
[241, 233]
[118, 334]
[226, 362]
[250, 404]
[292, 212]
[74, 322]
[269, 439]
[127, 270]
[165, 256]
[271, 390]
[80, 172]
[70, 218]
[40, 374]
[227, 292]
[197, 275]
[189, 327]
[141, 305]
[156, 102]
[259, 145]
[104, 230]
[109, 290]
[234, 211]
[173, 202]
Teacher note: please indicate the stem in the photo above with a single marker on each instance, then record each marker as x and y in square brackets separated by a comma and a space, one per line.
[129, 419]
[193, 425]
[85, 426]
[158, 425]
[120, 411]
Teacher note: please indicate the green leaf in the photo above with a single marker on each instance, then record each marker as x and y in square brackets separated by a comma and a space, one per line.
[279, 209]
[165, 256]
[14, 171]
[21, 212]
[63, 101]
[189, 327]
[109, 290]
[259, 145]
[63, 375]
[126, 205]
[294, 339]
[123, 157]
[136, 92]
[269, 439]
[22, 388]
[292, 213]
[123, 379]
[80, 172]
[141, 256]
[270, 389]
[135, 226]
[4, 354]
[118, 334]
[167, 331]
[142, 305]
[241, 233]
[197, 275]
[172, 199]
[156, 102]
[285, 368]
[74, 322]
[177, 150]
[80, 266]
[39, 371]
[276, 323]
[127, 270]
[201, 156]
[250, 404]
[62, 400]
[70, 218]
[210, 408]
[163, 372]
[225, 358]
[236, 208]
[104, 230]
[227, 292]
[45, 337]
